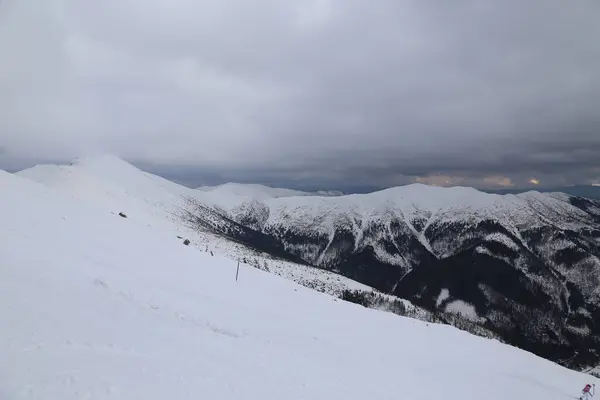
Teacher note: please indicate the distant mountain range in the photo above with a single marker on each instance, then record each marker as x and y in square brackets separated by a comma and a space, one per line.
[589, 191]
[524, 266]
[263, 192]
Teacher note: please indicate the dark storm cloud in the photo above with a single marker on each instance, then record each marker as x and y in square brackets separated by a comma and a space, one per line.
[320, 92]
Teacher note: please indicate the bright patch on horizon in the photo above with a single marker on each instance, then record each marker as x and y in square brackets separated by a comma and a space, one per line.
[439, 180]
[534, 181]
[495, 180]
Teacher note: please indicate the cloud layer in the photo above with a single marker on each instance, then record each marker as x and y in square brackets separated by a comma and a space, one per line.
[334, 91]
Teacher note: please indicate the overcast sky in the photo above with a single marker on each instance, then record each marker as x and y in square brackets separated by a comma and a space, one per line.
[311, 93]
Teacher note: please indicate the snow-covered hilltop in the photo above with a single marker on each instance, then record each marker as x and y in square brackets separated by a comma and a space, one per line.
[257, 191]
[525, 267]
[116, 186]
[99, 306]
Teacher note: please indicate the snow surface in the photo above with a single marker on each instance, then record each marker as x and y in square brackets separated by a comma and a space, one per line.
[148, 200]
[443, 296]
[95, 306]
[503, 239]
[463, 308]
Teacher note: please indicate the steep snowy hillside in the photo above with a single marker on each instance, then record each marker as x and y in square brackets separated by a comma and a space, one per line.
[97, 306]
[148, 200]
[525, 266]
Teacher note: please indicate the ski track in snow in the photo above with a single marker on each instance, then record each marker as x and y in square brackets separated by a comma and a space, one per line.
[95, 306]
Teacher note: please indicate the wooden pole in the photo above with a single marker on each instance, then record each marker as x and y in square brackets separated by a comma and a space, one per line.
[238, 271]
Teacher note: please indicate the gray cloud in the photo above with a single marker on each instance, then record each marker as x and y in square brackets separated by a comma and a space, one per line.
[320, 92]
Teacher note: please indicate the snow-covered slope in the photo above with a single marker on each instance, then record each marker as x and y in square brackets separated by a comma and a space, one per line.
[96, 306]
[149, 200]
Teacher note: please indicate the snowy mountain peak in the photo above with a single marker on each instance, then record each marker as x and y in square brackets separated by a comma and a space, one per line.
[101, 161]
[108, 167]
[436, 196]
[252, 190]
[258, 191]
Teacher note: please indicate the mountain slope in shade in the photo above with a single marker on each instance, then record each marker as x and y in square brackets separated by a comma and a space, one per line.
[97, 306]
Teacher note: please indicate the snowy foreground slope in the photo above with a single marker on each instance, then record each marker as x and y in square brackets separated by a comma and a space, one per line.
[96, 306]
[149, 200]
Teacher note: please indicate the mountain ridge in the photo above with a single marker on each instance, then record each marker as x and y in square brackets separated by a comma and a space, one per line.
[587, 191]
[264, 191]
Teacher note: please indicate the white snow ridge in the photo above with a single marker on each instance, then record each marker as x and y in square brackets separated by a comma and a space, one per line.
[96, 306]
